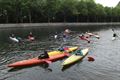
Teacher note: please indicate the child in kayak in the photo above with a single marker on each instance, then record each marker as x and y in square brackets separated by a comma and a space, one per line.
[43, 55]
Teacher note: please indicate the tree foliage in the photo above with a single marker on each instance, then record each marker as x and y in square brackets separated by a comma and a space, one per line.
[38, 11]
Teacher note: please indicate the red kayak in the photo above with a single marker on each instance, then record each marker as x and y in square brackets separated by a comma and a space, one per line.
[31, 38]
[84, 38]
[35, 61]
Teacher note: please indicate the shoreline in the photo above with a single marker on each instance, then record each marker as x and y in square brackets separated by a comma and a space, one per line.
[27, 25]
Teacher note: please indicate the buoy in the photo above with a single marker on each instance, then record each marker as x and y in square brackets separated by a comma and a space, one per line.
[91, 59]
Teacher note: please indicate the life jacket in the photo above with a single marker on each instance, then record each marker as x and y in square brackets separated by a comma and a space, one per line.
[43, 55]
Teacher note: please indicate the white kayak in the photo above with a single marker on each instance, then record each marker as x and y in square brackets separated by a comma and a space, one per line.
[113, 38]
[14, 39]
[74, 58]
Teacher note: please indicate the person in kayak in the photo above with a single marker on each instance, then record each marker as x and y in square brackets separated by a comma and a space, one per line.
[13, 36]
[43, 55]
[61, 49]
[114, 35]
[67, 31]
[82, 37]
[31, 37]
[79, 52]
[55, 36]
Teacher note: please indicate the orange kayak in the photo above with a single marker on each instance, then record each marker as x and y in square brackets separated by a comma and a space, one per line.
[35, 61]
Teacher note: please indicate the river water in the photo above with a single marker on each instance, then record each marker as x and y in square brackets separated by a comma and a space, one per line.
[105, 52]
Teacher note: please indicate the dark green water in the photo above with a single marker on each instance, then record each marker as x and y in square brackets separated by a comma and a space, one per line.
[104, 50]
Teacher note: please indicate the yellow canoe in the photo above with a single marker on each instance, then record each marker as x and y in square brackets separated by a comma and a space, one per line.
[52, 53]
[74, 58]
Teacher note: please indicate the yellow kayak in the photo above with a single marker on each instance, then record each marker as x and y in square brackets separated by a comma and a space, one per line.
[52, 53]
[74, 58]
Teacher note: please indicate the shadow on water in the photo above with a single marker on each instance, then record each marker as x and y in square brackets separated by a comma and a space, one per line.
[70, 65]
[44, 66]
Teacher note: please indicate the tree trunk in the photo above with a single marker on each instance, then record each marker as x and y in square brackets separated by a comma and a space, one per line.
[29, 16]
[64, 17]
[6, 18]
[48, 19]
[77, 18]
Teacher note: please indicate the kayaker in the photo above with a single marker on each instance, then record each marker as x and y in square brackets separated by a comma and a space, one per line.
[31, 37]
[114, 35]
[78, 52]
[61, 49]
[67, 31]
[56, 36]
[30, 34]
[84, 38]
[13, 36]
[43, 55]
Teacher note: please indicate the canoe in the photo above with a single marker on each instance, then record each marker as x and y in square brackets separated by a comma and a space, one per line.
[14, 39]
[52, 53]
[74, 58]
[35, 61]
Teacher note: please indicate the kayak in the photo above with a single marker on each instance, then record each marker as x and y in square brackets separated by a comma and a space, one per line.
[74, 58]
[14, 39]
[113, 38]
[52, 53]
[84, 38]
[91, 34]
[35, 61]
[31, 38]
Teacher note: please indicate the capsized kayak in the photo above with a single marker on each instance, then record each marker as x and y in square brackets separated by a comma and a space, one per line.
[74, 58]
[52, 53]
[14, 39]
[35, 61]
